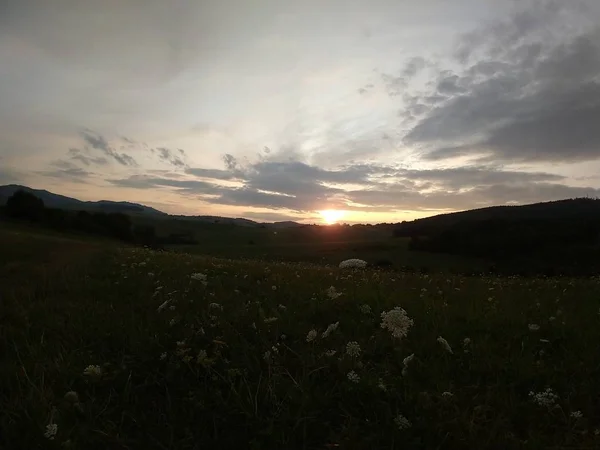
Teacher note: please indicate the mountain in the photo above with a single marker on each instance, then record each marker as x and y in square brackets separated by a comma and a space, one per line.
[52, 200]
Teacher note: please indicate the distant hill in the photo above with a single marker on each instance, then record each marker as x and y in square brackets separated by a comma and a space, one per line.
[52, 200]
[578, 208]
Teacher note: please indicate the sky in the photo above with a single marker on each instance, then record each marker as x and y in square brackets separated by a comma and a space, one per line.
[383, 110]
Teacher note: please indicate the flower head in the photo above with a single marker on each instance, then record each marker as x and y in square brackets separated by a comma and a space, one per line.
[533, 327]
[354, 263]
[545, 398]
[402, 422]
[51, 430]
[365, 309]
[198, 276]
[576, 414]
[332, 293]
[311, 336]
[353, 349]
[353, 376]
[396, 321]
[93, 371]
[72, 397]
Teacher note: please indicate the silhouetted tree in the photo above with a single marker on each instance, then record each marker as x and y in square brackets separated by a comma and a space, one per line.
[25, 205]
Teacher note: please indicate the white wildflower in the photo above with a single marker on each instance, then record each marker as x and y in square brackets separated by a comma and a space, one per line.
[270, 319]
[353, 376]
[282, 307]
[198, 277]
[533, 327]
[444, 343]
[51, 430]
[352, 348]
[215, 306]
[332, 293]
[173, 321]
[353, 264]
[163, 356]
[330, 352]
[552, 318]
[93, 371]
[72, 397]
[447, 394]
[311, 336]
[381, 385]
[545, 398]
[396, 321]
[576, 414]
[274, 288]
[405, 362]
[172, 308]
[402, 422]
[365, 309]
[330, 329]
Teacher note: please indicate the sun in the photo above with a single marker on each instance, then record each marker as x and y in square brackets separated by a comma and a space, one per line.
[331, 216]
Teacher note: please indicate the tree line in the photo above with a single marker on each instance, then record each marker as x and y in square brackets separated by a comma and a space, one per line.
[25, 206]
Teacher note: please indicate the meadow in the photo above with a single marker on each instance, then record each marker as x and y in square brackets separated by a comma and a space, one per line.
[108, 346]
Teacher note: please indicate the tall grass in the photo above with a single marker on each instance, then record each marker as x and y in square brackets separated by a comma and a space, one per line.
[237, 359]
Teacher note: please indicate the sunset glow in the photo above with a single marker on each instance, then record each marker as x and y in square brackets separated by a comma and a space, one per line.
[331, 216]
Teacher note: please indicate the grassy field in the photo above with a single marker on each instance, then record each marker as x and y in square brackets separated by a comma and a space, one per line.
[110, 347]
[321, 245]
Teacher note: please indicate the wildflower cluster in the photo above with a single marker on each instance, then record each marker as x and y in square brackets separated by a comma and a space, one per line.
[396, 321]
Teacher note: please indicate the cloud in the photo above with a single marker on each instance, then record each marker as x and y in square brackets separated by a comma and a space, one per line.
[304, 188]
[529, 91]
[270, 216]
[183, 186]
[65, 170]
[215, 174]
[98, 142]
[77, 155]
[172, 157]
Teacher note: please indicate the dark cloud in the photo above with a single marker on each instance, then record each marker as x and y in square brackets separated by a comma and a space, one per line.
[414, 66]
[303, 188]
[183, 186]
[77, 155]
[98, 142]
[171, 156]
[530, 91]
[66, 170]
